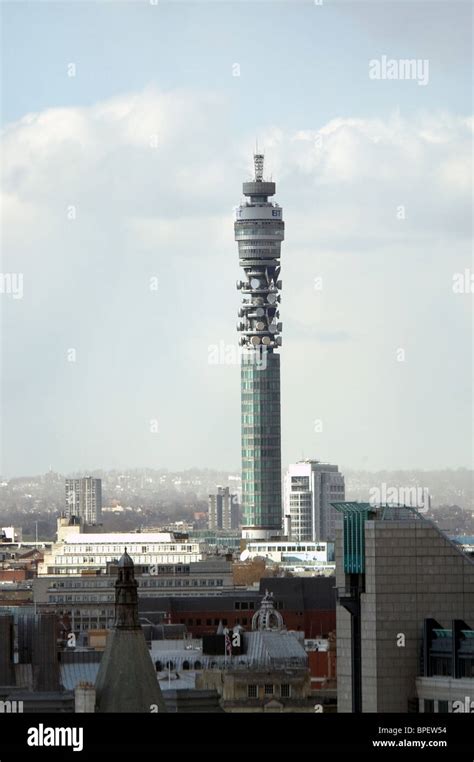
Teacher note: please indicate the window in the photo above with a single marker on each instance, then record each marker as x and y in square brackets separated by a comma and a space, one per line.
[198, 622]
[467, 667]
[268, 689]
[252, 691]
[197, 665]
[441, 665]
[443, 707]
[208, 622]
[429, 706]
[285, 690]
[186, 664]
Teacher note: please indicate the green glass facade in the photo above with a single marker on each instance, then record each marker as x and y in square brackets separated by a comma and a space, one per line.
[261, 440]
[354, 517]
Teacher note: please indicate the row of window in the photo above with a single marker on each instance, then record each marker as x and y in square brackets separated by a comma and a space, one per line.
[442, 666]
[100, 561]
[269, 690]
[210, 623]
[103, 548]
[142, 583]
[79, 598]
[286, 548]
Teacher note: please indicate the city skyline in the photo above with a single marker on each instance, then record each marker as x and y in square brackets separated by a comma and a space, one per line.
[119, 190]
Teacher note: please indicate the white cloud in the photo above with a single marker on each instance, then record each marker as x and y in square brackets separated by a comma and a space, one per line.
[166, 210]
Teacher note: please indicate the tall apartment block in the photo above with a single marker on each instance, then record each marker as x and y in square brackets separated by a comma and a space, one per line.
[84, 499]
[223, 510]
[259, 231]
[404, 613]
[310, 488]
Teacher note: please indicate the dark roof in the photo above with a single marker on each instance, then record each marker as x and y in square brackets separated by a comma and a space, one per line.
[125, 561]
[127, 680]
[223, 602]
[302, 593]
[295, 593]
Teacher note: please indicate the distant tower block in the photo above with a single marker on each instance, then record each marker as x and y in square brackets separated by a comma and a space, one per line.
[259, 231]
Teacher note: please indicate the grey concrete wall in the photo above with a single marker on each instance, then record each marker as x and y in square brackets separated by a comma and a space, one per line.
[413, 572]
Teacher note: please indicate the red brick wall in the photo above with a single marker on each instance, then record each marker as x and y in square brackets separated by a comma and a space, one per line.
[322, 664]
[13, 575]
[314, 623]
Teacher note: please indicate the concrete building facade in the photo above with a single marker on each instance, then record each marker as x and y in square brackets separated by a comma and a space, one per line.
[394, 570]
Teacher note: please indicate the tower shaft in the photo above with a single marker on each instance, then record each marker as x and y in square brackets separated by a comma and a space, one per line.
[259, 231]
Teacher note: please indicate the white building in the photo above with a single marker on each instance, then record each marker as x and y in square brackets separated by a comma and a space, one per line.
[78, 552]
[291, 552]
[310, 487]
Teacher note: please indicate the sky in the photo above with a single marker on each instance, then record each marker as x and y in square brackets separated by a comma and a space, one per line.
[127, 131]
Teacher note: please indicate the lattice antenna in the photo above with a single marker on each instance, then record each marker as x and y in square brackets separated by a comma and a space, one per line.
[258, 163]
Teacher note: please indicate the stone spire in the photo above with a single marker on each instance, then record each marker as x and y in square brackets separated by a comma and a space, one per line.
[127, 679]
[126, 596]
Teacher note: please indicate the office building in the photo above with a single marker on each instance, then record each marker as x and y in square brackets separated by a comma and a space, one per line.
[78, 552]
[84, 499]
[223, 510]
[259, 231]
[86, 602]
[316, 557]
[310, 488]
[446, 680]
[405, 611]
